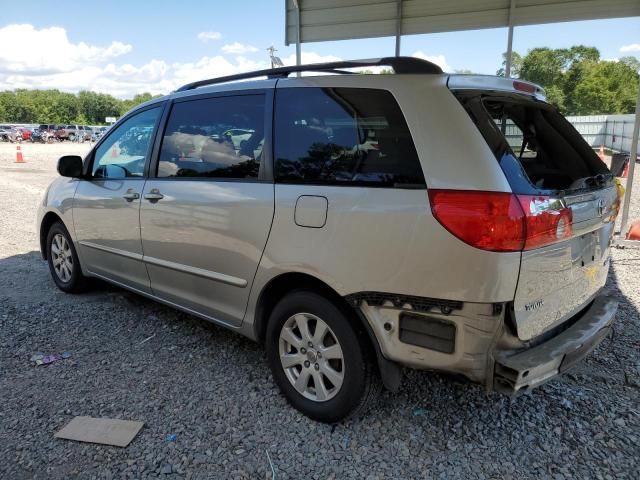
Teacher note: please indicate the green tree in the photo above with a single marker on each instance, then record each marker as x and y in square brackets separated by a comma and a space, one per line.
[579, 82]
[54, 106]
[516, 65]
[606, 87]
[127, 105]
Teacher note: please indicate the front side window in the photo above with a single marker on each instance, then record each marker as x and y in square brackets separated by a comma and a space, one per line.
[219, 137]
[123, 153]
[343, 136]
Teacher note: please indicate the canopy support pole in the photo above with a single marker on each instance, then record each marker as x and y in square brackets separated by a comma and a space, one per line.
[298, 45]
[507, 67]
[633, 155]
[398, 26]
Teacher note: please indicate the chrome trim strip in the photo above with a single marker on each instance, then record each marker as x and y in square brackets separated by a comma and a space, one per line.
[115, 251]
[200, 272]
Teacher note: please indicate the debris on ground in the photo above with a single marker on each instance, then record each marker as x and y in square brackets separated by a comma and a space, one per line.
[41, 359]
[106, 431]
[273, 470]
[566, 403]
[147, 339]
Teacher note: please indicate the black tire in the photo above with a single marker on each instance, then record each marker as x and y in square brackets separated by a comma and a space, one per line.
[76, 282]
[360, 385]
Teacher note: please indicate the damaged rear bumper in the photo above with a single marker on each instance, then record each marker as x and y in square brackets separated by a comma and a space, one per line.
[523, 369]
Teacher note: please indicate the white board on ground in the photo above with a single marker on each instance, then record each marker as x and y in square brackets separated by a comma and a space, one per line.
[106, 431]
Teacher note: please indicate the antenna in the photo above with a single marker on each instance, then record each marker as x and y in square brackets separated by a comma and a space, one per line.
[275, 61]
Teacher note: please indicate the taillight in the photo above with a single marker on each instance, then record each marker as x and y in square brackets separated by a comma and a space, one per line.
[487, 220]
[548, 220]
[501, 221]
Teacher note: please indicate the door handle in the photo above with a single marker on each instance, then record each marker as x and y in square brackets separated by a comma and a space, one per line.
[154, 195]
[130, 196]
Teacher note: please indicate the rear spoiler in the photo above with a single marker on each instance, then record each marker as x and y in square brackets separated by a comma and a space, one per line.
[493, 83]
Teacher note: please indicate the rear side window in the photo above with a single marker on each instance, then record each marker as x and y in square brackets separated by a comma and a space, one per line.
[343, 136]
[219, 137]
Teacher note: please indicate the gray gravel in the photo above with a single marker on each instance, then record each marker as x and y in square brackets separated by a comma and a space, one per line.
[212, 389]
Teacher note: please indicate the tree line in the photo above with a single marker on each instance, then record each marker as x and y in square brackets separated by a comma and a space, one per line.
[578, 81]
[54, 106]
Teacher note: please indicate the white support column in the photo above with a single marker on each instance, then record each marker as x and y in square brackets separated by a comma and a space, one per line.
[507, 67]
[298, 40]
[632, 163]
[398, 26]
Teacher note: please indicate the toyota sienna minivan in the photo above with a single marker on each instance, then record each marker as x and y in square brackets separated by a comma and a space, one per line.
[354, 224]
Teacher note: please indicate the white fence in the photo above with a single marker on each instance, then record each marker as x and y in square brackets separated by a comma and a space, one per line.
[612, 131]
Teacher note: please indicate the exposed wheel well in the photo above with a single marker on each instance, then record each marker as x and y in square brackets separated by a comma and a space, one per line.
[278, 287]
[49, 219]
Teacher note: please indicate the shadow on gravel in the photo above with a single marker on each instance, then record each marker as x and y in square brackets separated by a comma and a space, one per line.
[136, 359]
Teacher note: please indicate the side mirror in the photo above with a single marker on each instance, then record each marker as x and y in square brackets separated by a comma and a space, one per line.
[70, 166]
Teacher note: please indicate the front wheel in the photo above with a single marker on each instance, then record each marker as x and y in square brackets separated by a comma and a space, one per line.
[63, 260]
[317, 358]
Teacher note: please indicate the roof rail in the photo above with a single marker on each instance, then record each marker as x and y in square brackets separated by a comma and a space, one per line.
[399, 65]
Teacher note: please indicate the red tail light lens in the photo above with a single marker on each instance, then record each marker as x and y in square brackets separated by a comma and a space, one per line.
[548, 220]
[524, 87]
[500, 221]
[487, 220]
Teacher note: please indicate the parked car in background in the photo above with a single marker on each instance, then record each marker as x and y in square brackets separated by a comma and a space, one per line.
[48, 127]
[85, 133]
[37, 136]
[25, 133]
[100, 131]
[71, 132]
[9, 133]
[435, 246]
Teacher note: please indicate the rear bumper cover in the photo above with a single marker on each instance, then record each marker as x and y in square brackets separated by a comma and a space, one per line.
[522, 369]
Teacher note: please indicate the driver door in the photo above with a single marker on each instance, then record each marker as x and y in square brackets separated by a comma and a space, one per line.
[107, 203]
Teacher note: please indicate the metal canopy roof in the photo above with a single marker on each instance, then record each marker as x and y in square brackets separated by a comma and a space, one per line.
[324, 20]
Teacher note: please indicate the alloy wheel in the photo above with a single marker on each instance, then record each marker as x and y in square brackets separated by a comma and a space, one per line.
[311, 357]
[61, 257]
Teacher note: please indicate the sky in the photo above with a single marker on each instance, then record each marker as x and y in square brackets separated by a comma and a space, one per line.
[129, 47]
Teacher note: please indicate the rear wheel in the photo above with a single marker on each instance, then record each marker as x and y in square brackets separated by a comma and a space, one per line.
[71, 137]
[63, 260]
[317, 358]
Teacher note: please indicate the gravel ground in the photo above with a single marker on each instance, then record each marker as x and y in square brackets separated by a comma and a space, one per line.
[212, 388]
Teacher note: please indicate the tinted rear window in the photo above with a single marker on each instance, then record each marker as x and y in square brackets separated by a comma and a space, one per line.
[343, 136]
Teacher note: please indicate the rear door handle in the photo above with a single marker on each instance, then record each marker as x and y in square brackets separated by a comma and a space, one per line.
[130, 196]
[154, 195]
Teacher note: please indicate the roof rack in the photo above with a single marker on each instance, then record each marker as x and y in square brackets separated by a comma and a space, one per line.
[399, 65]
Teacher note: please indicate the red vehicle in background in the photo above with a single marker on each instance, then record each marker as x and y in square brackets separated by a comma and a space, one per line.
[25, 133]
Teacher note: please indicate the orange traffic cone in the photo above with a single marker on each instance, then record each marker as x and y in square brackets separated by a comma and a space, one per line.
[634, 231]
[625, 172]
[19, 158]
[601, 152]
